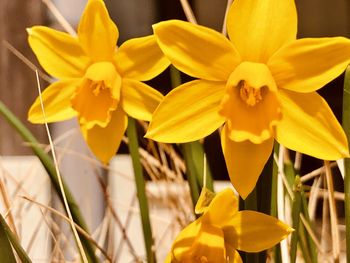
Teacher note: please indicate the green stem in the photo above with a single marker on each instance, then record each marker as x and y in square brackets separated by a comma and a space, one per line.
[310, 243]
[5, 247]
[277, 249]
[250, 203]
[51, 170]
[264, 194]
[273, 210]
[296, 208]
[346, 126]
[141, 191]
[6, 252]
[191, 172]
[264, 187]
[304, 244]
[175, 77]
[291, 174]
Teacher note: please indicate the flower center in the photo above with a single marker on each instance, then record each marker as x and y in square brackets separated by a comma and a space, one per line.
[251, 96]
[250, 105]
[203, 259]
[98, 95]
[97, 87]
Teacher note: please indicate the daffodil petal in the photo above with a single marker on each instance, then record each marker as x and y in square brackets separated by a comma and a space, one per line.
[196, 50]
[97, 33]
[260, 29]
[309, 126]
[221, 209]
[245, 161]
[204, 200]
[308, 64]
[185, 239]
[168, 258]
[141, 58]
[58, 53]
[57, 102]
[251, 231]
[188, 113]
[104, 142]
[139, 100]
[208, 245]
[233, 255]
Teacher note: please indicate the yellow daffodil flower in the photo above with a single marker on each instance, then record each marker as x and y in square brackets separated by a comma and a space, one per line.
[98, 81]
[222, 229]
[260, 83]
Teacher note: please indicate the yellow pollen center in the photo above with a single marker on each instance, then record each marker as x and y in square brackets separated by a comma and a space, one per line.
[204, 259]
[97, 87]
[249, 95]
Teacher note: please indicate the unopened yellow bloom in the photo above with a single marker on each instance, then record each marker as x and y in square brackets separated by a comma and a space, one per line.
[260, 83]
[222, 229]
[98, 81]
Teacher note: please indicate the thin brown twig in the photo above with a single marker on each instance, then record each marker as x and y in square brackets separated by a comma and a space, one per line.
[224, 24]
[79, 229]
[60, 18]
[65, 201]
[188, 12]
[116, 217]
[315, 173]
[26, 61]
[333, 213]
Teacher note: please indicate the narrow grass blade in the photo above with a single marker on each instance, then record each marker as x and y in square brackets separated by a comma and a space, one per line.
[310, 243]
[273, 209]
[296, 208]
[51, 170]
[6, 252]
[191, 172]
[291, 176]
[303, 243]
[346, 126]
[141, 191]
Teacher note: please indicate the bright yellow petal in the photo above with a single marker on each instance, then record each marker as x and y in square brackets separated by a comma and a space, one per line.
[244, 161]
[308, 64]
[58, 53]
[250, 104]
[233, 255]
[204, 201]
[168, 258]
[221, 209]
[141, 59]
[97, 33]
[196, 50]
[309, 126]
[57, 102]
[258, 29]
[104, 142]
[207, 246]
[139, 100]
[188, 113]
[185, 239]
[251, 231]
